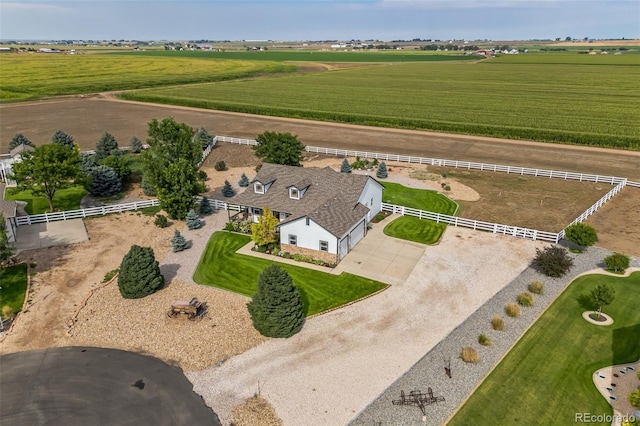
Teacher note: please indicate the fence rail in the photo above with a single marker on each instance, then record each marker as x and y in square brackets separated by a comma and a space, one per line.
[496, 228]
[82, 213]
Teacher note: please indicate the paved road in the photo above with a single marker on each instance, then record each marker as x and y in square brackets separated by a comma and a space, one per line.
[95, 386]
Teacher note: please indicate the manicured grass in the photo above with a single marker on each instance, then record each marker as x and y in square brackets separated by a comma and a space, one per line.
[414, 229]
[64, 199]
[546, 378]
[593, 97]
[421, 199]
[29, 76]
[13, 280]
[221, 267]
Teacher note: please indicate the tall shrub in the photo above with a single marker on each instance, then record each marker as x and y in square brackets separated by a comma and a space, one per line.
[581, 234]
[553, 261]
[617, 262]
[276, 308]
[139, 274]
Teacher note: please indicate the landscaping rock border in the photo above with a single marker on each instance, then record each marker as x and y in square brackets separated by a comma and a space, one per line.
[430, 372]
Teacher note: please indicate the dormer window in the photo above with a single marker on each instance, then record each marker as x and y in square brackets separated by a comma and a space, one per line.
[258, 188]
[294, 193]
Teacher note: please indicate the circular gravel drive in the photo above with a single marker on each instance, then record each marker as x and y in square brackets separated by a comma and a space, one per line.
[83, 386]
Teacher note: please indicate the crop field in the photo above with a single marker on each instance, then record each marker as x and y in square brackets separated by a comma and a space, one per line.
[594, 104]
[314, 56]
[29, 76]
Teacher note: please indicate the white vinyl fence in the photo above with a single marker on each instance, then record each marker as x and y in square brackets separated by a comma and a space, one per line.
[82, 213]
[496, 228]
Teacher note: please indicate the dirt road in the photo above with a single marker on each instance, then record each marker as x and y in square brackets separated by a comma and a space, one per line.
[87, 117]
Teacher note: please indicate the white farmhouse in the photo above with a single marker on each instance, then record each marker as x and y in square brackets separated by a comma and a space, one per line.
[323, 213]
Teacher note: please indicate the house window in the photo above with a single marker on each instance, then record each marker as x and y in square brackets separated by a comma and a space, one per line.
[257, 212]
[258, 188]
[324, 246]
[294, 194]
[293, 240]
[307, 220]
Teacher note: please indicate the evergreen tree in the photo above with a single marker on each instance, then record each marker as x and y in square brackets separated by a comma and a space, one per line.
[88, 163]
[6, 248]
[203, 137]
[62, 138]
[136, 145]
[345, 167]
[139, 274]
[19, 139]
[276, 308]
[147, 188]
[244, 181]
[193, 220]
[105, 182]
[178, 242]
[205, 207]
[382, 171]
[228, 190]
[105, 146]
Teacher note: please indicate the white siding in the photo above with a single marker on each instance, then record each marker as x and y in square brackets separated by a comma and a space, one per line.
[372, 191]
[309, 236]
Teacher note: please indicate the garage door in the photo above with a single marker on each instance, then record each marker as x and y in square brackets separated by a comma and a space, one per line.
[344, 247]
[356, 235]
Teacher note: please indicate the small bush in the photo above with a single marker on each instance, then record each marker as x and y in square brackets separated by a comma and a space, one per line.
[161, 221]
[497, 323]
[581, 234]
[553, 261]
[447, 188]
[617, 263]
[110, 275]
[525, 299]
[484, 340]
[470, 355]
[220, 166]
[634, 397]
[536, 287]
[7, 311]
[512, 310]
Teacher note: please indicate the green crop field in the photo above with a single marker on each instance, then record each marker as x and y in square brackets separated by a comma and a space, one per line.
[314, 56]
[29, 76]
[595, 103]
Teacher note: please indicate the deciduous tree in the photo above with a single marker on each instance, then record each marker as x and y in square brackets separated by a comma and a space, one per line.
[553, 261]
[617, 262]
[602, 295]
[170, 166]
[276, 308]
[581, 234]
[279, 148]
[47, 169]
[264, 231]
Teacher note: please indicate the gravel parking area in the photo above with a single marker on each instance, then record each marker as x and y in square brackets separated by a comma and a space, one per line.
[429, 370]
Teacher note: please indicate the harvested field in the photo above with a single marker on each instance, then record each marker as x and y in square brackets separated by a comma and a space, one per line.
[618, 223]
[527, 201]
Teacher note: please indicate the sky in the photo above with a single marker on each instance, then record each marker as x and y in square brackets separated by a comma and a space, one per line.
[300, 20]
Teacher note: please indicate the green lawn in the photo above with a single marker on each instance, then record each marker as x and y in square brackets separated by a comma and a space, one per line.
[414, 229]
[546, 378]
[221, 267]
[411, 228]
[13, 280]
[64, 199]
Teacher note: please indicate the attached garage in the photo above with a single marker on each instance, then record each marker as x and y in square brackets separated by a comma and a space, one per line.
[357, 233]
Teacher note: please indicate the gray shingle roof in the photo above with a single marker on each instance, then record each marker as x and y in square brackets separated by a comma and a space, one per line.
[331, 199]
